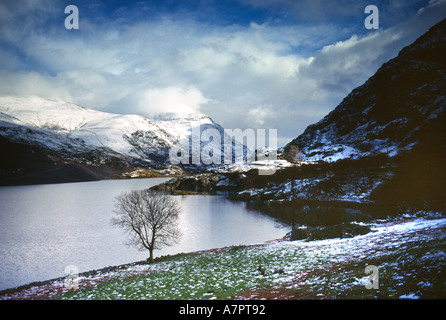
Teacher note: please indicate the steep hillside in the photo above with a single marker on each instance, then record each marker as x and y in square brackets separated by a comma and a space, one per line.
[381, 150]
[402, 105]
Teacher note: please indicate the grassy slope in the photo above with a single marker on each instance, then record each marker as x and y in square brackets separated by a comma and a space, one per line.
[410, 258]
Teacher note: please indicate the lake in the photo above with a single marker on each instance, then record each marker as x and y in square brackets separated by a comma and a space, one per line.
[45, 228]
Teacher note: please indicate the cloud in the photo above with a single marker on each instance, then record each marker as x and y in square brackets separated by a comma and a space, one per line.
[343, 65]
[262, 75]
[171, 100]
[33, 83]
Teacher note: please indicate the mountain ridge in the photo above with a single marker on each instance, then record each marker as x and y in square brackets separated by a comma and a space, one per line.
[58, 132]
[381, 150]
[385, 113]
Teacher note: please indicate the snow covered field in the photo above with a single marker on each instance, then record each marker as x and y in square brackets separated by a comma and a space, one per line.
[409, 256]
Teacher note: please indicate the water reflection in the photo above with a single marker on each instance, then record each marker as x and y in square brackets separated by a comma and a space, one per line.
[44, 228]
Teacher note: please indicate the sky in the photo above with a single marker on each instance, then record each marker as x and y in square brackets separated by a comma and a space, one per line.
[267, 64]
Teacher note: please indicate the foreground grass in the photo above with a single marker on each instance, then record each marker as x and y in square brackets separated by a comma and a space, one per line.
[410, 259]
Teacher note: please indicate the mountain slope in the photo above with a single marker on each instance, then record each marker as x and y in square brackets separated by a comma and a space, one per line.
[382, 149]
[396, 109]
[50, 133]
[71, 130]
[399, 113]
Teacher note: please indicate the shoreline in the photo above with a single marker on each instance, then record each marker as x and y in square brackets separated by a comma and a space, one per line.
[51, 288]
[396, 237]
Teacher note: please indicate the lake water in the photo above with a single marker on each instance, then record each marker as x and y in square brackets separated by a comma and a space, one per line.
[45, 228]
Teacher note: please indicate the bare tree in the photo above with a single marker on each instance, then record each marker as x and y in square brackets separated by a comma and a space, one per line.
[149, 217]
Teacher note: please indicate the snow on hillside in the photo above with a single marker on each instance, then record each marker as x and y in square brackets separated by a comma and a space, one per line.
[409, 256]
[59, 125]
[76, 133]
[400, 106]
[179, 125]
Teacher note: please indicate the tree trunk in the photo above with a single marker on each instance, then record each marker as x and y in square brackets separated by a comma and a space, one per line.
[151, 255]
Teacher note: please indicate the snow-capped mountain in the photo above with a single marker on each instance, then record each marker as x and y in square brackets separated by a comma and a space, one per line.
[73, 133]
[402, 105]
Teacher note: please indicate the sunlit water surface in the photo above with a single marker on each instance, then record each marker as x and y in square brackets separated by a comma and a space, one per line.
[45, 228]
